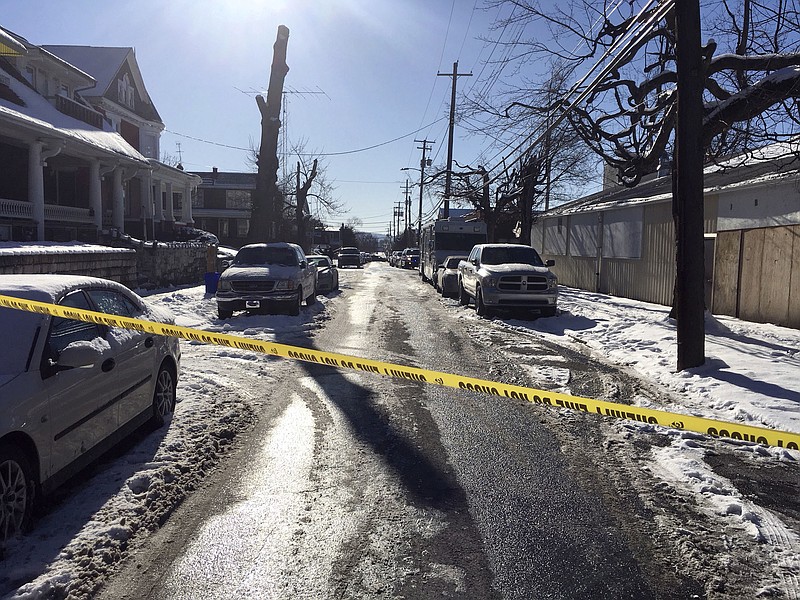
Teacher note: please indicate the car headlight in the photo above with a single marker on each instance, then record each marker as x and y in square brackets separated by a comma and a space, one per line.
[490, 282]
[285, 284]
[552, 283]
[223, 285]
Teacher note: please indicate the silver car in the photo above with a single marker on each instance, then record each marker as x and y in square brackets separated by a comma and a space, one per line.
[446, 277]
[69, 390]
[327, 273]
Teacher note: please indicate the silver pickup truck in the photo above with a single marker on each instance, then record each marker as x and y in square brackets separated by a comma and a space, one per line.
[506, 276]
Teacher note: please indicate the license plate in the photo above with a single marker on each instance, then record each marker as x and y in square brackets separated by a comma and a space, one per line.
[253, 304]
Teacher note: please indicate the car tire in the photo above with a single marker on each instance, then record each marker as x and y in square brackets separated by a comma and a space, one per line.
[294, 308]
[163, 395]
[312, 299]
[463, 297]
[480, 307]
[223, 313]
[550, 311]
[17, 491]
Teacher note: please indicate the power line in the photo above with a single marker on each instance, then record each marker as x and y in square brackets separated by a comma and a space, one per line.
[197, 139]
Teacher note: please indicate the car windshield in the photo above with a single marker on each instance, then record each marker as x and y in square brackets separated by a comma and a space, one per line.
[453, 262]
[524, 255]
[413, 252]
[349, 251]
[319, 262]
[266, 255]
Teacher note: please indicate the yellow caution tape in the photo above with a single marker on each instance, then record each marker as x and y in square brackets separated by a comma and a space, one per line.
[713, 427]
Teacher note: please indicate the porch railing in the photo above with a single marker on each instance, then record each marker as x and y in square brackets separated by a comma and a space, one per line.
[19, 209]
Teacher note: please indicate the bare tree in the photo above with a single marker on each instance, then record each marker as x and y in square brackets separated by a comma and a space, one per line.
[555, 162]
[627, 116]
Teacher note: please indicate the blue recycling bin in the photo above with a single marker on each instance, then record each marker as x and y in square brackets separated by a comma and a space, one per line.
[211, 282]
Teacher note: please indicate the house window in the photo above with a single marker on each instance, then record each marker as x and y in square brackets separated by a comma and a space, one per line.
[223, 228]
[197, 200]
[30, 75]
[125, 91]
[555, 239]
[584, 232]
[242, 225]
[238, 199]
[622, 233]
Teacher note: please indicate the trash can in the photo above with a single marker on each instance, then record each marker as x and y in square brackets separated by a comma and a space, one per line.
[211, 282]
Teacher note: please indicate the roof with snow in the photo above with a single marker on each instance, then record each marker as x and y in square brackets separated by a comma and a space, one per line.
[769, 164]
[38, 115]
[107, 64]
[228, 180]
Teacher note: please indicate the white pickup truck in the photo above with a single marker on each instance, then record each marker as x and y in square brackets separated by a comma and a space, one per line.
[507, 276]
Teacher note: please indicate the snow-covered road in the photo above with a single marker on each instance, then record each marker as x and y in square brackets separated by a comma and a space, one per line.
[752, 376]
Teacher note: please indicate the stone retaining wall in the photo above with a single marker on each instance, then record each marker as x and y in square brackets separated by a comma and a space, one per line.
[144, 265]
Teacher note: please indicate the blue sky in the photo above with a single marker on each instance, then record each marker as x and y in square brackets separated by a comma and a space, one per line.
[375, 60]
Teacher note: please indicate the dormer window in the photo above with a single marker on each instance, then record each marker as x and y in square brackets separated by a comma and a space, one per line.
[125, 91]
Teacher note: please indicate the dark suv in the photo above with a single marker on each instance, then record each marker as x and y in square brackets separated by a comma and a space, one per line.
[266, 275]
[349, 257]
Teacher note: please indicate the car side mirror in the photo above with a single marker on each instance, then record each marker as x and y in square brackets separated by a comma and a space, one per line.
[79, 355]
[303, 264]
[550, 263]
[474, 261]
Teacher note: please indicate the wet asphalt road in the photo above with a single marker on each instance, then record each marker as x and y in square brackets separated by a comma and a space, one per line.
[356, 486]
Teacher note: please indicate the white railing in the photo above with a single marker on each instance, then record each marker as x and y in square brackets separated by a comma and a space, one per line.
[70, 214]
[16, 209]
[19, 209]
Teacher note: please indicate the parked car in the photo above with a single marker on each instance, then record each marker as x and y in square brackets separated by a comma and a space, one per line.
[446, 278]
[225, 256]
[264, 277]
[70, 390]
[394, 258]
[410, 258]
[327, 273]
[498, 276]
[349, 257]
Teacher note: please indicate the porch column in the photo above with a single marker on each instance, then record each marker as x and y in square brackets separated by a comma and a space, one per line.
[158, 201]
[95, 193]
[186, 207]
[170, 203]
[118, 202]
[36, 186]
[145, 193]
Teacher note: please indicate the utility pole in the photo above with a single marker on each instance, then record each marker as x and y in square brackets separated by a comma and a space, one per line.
[688, 188]
[398, 213]
[407, 214]
[449, 175]
[422, 164]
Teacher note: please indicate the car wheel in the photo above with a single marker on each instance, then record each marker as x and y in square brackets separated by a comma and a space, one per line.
[550, 311]
[164, 395]
[17, 491]
[312, 299]
[480, 307]
[294, 308]
[463, 297]
[336, 284]
[224, 314]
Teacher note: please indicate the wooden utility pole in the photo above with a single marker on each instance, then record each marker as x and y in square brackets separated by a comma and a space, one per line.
[449, 175]
[688, 188]
[268, 201]
[422, 164]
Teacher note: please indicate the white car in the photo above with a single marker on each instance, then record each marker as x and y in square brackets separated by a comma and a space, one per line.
[69, 390]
